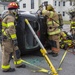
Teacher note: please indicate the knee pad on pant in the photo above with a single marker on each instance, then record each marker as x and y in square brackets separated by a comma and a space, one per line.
[17, 54]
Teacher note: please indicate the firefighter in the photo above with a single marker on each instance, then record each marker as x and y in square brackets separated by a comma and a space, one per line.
[72, 27]
[65, 40]
[53, 30]
[9, 40]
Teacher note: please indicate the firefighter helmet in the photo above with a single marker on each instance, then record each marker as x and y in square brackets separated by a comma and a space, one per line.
[12, 5]
[50, 7]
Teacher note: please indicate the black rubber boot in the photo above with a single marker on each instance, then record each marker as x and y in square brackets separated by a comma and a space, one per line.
[55, 54]
[50, 52]
[21, 66]
[9, 70]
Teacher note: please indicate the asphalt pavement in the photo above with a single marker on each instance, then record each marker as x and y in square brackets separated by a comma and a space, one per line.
[68, 65]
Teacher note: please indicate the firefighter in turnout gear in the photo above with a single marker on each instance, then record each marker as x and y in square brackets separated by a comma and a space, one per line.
[65, 39]
[72, 27]
[9, 40]
[72, 30]
[53, 30]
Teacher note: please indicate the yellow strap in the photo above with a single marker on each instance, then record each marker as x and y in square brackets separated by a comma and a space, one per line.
[5, 67]
[13, 36]
[18, 62]
[55, 32]
[4, 24]
[10, 24]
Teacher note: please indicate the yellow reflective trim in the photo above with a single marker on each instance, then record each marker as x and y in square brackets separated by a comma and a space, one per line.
[18, 62]
[4, 33]
[72, 27]
[69, 41]
[2, 30]
[64, 34]
[69, 44]
[49, 23]
[5, 67]
[10, 24]
[4, 24]
[55, 32]
[51, 14]
[13, 36]
[72, 22]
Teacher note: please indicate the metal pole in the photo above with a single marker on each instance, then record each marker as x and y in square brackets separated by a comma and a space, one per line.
[43, 50]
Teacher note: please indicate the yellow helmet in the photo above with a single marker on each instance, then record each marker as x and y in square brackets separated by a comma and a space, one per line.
[50, 7]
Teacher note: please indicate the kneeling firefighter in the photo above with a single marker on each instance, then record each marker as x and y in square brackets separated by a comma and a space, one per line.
[65, 40]
[9, 40]
[53, 30]
[72, 28]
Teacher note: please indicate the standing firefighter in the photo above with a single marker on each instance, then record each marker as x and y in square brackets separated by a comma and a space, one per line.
[52, 29]
[9, 40]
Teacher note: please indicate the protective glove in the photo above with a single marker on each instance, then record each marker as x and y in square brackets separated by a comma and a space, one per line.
[4, 37]
[65, 46]
[15, 43]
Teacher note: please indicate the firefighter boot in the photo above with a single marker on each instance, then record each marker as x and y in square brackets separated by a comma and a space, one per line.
[53, 54]
[21, 66]
[9, 70]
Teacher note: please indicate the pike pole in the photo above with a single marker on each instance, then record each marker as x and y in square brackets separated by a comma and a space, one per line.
[42, 50]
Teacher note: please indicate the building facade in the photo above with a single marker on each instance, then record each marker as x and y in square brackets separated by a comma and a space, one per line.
[33, 5]
[60, 6]
[63, 7]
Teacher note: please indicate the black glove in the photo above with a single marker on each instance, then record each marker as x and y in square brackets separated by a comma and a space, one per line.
[4, 37]
[15, 43]
[65, 46]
